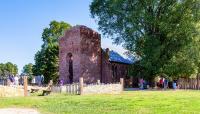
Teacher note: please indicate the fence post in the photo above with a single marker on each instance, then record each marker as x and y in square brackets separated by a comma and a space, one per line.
[98, 82]
[25, 86]
[81, 85]
[122, 83]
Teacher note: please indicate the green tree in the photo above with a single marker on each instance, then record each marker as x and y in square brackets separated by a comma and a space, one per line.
[28, 69]
[1, 69]
[8, 69]
[163, 33]
[46, 60]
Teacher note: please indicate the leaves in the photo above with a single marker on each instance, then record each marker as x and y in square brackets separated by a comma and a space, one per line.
[8, 69]
[46, 60]
[163, 33]
[28, 69]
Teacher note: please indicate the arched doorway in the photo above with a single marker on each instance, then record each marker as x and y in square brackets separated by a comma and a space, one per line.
[70, 66]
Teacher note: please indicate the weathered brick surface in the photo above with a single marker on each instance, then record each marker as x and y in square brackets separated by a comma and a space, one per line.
[106, 68]
[121, 72]
[85, 46]
[89, 60]
[107, 71]
[90, 55]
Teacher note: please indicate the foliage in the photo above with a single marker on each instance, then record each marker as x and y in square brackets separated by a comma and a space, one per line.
[46, 60]
[28, 70]
[8, 69]
[163, 33]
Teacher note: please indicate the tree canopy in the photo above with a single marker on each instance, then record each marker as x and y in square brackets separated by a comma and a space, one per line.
[8, 69]
[28, 69]
[164, 34]
[46, 59]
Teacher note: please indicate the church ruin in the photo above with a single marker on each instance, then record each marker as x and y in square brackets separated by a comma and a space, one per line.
[81, 55]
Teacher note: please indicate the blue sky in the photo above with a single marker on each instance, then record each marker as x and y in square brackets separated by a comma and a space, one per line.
[22, 23]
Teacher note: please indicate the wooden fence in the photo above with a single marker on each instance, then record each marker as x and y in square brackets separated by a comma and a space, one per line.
[69, 89]
[7, 90]
[97, 88]
[190, 83]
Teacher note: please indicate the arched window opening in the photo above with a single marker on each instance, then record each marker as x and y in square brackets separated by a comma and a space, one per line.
[70, 70]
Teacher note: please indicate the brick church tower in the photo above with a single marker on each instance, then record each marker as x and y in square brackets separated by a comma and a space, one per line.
[80, 55]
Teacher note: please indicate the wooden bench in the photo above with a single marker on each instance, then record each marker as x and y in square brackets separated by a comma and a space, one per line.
[33, 90]
[48, 90]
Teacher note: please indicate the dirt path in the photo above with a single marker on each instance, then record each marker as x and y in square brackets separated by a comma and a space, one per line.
[18, 111]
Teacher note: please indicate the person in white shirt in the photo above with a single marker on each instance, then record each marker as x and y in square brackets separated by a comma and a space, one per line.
[16, 80]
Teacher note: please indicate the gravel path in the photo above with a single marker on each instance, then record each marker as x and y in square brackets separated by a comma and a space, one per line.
[18, 111]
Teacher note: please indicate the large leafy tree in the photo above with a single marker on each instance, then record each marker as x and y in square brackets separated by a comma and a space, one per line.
[163, 33]
[8, 69]
[46, 60]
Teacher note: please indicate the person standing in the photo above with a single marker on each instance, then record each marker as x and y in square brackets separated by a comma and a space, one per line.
[16, 80]
[165, 83]
[141, 84]
[161, 82]
[174, 84]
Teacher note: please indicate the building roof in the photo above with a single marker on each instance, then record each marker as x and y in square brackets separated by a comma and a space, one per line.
[116, 57]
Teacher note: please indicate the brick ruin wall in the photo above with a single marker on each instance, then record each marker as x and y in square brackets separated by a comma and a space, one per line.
[90, 55]
[70, 43]
[85, 46]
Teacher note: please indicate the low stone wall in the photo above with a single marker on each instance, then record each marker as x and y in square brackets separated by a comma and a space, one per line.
[102, 89]
[84, 89]
[6, 91]
[89, 89]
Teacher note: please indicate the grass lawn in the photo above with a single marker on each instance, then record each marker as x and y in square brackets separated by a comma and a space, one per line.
[134, 102]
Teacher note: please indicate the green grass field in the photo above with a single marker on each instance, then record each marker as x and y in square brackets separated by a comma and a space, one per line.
[134, 102]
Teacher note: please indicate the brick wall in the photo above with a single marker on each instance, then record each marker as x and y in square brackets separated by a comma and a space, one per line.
[90, 55]
[106, 68]
[85, 46]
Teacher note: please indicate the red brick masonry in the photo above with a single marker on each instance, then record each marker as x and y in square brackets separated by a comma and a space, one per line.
[89, 60]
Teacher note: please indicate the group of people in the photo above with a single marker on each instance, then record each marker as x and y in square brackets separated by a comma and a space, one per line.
[14, 80]
[143, 84]
[37, 80]
[18, 80]
[164, 83]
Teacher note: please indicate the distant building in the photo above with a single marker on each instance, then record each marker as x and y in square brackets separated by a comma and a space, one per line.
[81, 55]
